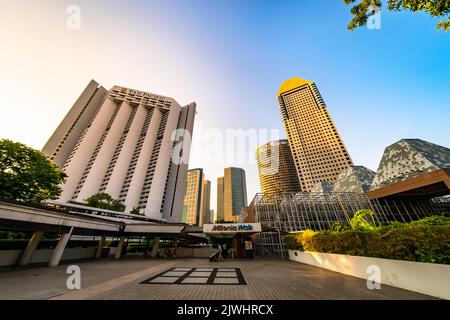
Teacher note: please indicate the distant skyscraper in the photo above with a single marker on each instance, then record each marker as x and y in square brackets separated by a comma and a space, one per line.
[318, 151]
[120, 142]
[220, 199]
[205, 203]
[212, 218]
[276, 168]
[234, 194]
[193, 197]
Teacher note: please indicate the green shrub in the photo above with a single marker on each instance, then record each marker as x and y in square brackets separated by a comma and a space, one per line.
[305, 240]
[426, 240]
[432, 221]
[134, 247]
[291, 241]
[339, 227]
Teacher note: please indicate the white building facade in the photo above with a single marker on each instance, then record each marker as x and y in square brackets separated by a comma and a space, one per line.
[131, 144]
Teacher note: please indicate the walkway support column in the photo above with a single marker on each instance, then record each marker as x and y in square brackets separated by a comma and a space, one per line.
[119, 248]
[155, 247]
[101, 244]
[59, 250]
[31, 247]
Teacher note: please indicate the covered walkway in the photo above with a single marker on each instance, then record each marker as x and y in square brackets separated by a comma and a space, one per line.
[70, 220]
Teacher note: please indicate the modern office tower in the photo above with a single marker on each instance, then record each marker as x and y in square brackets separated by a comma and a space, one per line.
[122, 142]
[193, 197]
[205, 203]
[234, 193]
[276, 168]
[220, 200]
[212, 219]
[317, 148]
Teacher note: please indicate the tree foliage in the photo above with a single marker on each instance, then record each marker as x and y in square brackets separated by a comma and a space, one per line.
[103, 200]
[26, 174]
[136, 211]
[435, 8]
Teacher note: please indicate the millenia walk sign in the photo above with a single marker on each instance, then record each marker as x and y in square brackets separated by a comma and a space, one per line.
[232, 228]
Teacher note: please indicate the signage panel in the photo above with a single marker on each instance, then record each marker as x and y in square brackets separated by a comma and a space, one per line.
[232, 228]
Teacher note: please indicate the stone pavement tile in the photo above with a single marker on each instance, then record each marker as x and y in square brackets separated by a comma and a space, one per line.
[164, 280]
[182, 269]
[174, 274]
[194, 280]
[227, 274]
[226, 270]
[226, 281]
[204, 269]
[200, 274]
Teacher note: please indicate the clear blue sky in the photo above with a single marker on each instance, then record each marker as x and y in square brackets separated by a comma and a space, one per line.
[230, 57]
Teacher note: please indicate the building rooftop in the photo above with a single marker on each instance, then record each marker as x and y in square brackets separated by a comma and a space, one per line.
[354, 179]
[323, 187]
[409, 158]
[292, 83]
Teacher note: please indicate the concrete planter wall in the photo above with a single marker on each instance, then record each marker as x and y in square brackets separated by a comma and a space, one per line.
[11, 257]
[427, 278]
[112, 250]
[203, 252]
[192, 252]
[183, 252]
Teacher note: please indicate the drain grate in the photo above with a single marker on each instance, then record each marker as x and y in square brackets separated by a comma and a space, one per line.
[205, 276]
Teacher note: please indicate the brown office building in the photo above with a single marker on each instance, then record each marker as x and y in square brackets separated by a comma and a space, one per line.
[205, 204]
[193, 197]
[276, 168]
[220, 199]
[317, 148]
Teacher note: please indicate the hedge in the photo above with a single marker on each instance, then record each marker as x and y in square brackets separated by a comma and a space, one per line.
[426, 240]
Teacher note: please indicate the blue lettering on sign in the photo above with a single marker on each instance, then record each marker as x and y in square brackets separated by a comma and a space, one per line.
[245, 227]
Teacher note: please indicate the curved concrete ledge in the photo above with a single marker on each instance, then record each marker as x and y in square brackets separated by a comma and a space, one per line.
[426, 278]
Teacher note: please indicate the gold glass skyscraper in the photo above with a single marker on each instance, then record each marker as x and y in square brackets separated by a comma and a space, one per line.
[317, 148]
[276, 168]
[196, 205]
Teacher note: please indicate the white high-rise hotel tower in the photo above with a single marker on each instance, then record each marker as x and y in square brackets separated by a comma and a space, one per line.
[121, 142]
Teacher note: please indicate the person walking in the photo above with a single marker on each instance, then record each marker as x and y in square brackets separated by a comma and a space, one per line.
[220, 251]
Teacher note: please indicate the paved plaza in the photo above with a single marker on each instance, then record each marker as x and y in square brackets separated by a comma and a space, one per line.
[161, 279]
